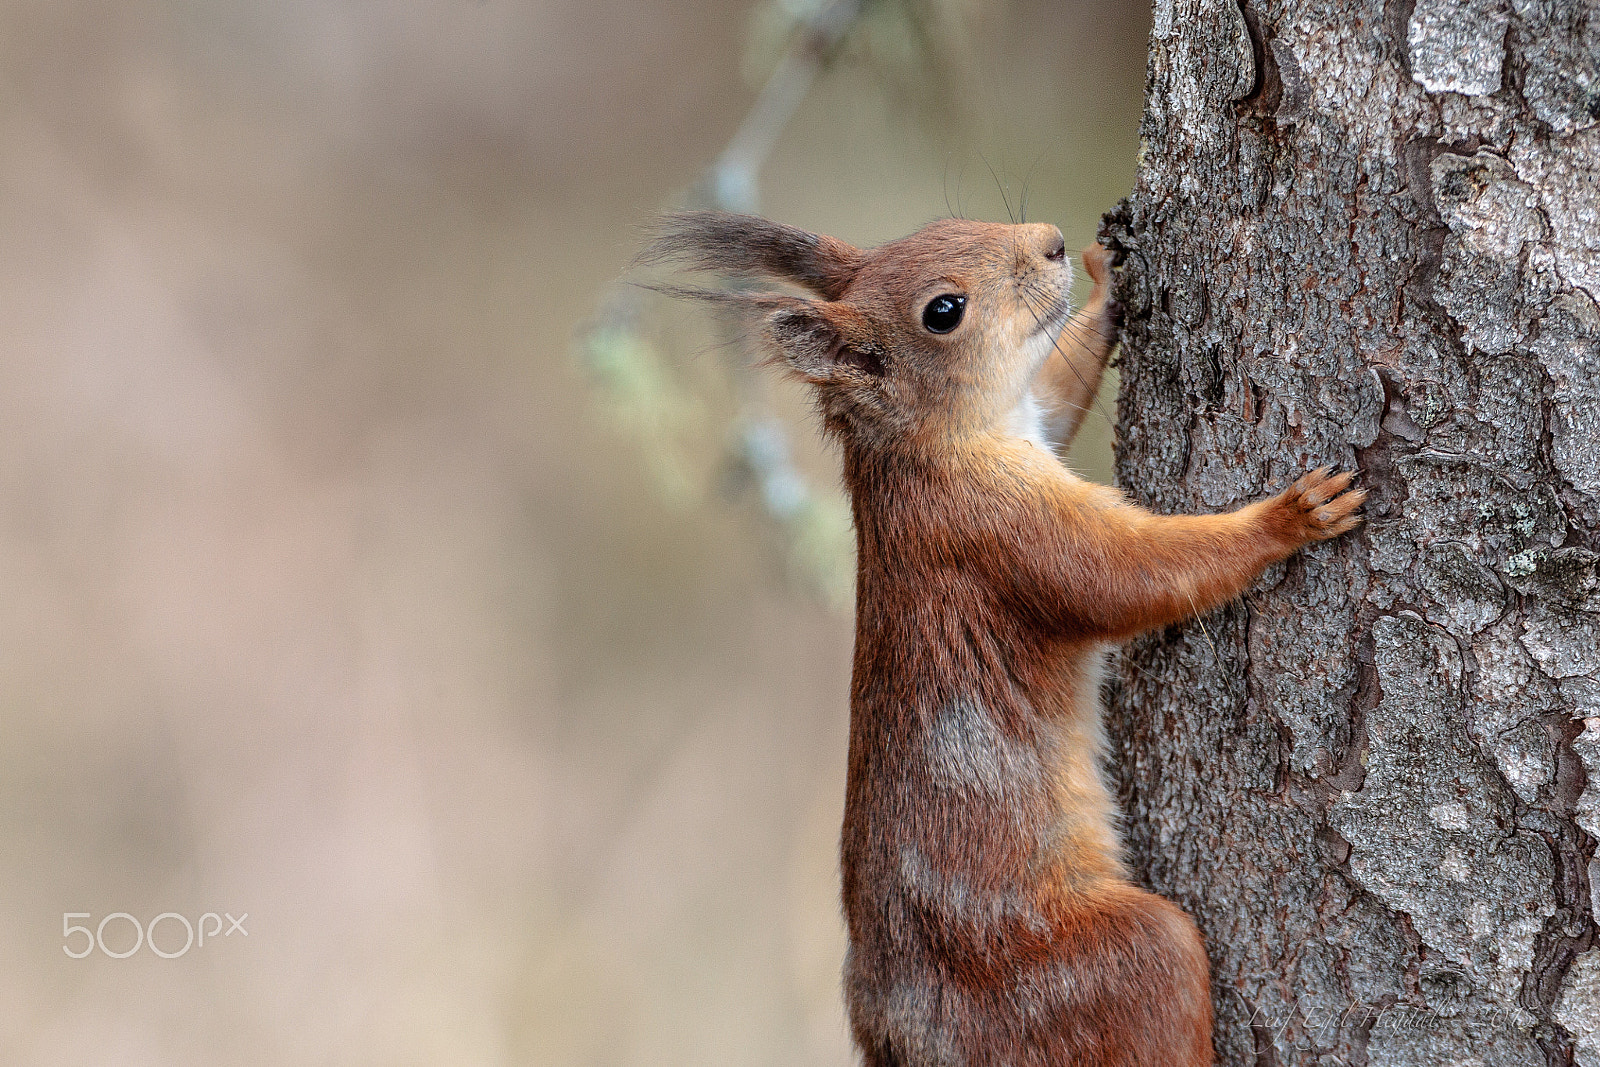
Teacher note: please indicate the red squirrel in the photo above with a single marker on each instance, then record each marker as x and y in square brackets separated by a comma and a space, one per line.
[991, 918]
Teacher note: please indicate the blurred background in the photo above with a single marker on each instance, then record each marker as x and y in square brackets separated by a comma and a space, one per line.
[335, 590]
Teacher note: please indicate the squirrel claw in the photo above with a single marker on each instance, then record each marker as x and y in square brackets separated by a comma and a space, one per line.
[1322, 505]
[1098, 261]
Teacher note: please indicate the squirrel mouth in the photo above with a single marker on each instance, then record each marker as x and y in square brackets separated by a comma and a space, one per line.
[1052, 324]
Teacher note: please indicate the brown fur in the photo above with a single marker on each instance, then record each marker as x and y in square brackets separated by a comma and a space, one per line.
[990, 917]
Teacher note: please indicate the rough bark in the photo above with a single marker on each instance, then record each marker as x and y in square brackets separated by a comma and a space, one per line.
[1368, 234]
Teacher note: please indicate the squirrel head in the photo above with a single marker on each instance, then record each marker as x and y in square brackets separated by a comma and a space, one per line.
[929, 339]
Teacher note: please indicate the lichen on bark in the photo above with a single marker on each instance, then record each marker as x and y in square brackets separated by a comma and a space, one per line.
[1368, 234]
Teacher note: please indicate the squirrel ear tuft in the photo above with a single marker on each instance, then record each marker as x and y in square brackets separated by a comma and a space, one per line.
[824, 343]
[748, 244]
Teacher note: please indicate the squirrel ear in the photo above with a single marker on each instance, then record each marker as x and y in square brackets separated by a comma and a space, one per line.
[824, 343]
[748, 244]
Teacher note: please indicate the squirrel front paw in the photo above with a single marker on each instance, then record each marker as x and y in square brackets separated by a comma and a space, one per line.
[1103, 311]
[1097, 262]
[1317, 506]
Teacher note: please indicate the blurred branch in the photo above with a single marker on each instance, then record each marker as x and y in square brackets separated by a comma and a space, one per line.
[630, 373]
[731, 181]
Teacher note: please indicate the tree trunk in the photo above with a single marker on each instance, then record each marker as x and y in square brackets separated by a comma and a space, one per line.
[1368, 235]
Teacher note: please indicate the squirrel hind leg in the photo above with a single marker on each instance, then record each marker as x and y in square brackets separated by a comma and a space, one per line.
[882, 1056]
[1133, 987]
[1125, 984]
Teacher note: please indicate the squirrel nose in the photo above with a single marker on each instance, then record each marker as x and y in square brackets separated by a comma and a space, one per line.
[1055, 246]
[1047, 242]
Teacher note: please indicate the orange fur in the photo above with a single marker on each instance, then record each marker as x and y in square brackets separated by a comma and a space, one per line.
[990, 916]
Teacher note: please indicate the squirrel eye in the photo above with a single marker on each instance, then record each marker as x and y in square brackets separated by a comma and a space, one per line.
[943, 313]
